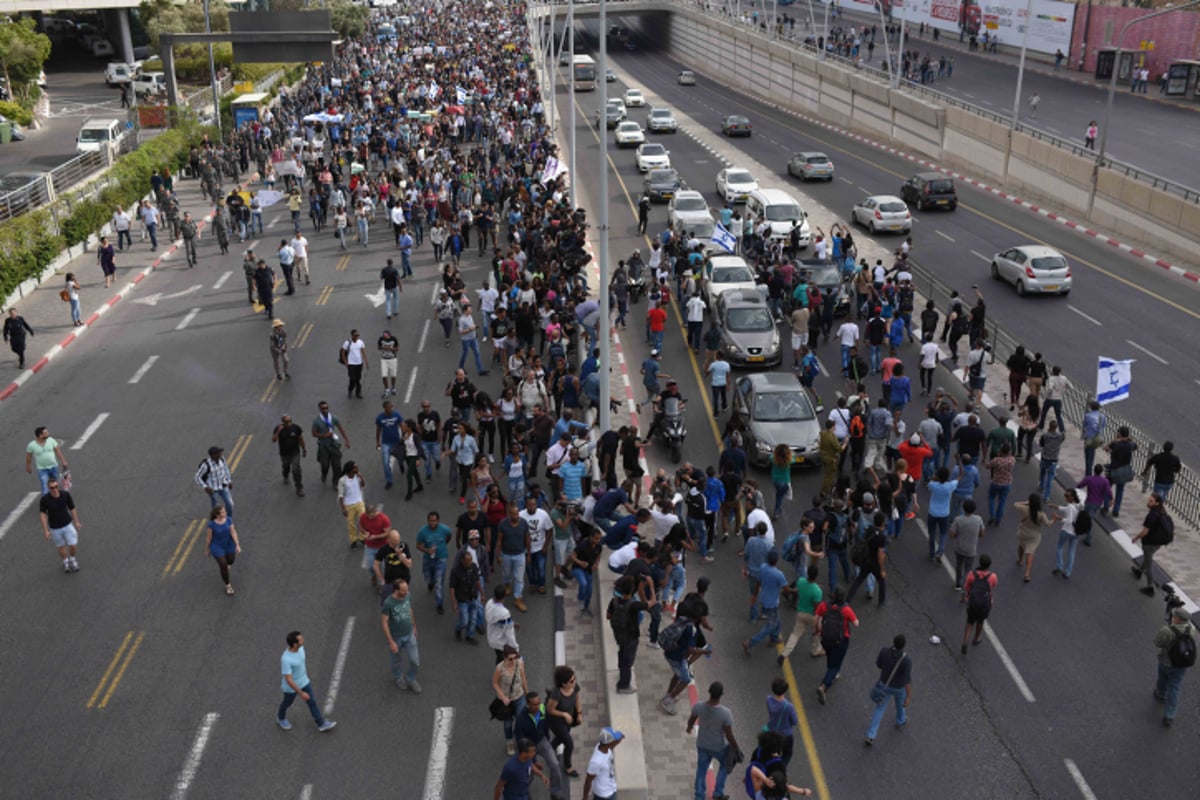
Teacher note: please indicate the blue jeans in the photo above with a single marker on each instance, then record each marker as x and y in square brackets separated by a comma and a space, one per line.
[1169, 681]
[780, 496]
[313, 708]
[895, 694]
[677, 584]
[514, 572]
[256, 220]
[1066, 541]
[939, 527]
[1056, 405]
[771, 628]
[835, 556]
[1118, 488]
[956, 504]
[76, 311]
[222, 496]
[876, 357]
[1089, 459]
[698, 530]
[152, 229]
[584, 579]
[405, 264]
[1162, 489]
[433, 455]
[434, 570]
[408, 647]
[703, 759]
[471, 346]
[469, 615]
[509, 724]
[363, 232]
[537, 568]
[44, 476]
[656, 340]
[1046, 478]
[845, 358]
[516, 490]
[385, 452]
[997, 500]
[392, 301]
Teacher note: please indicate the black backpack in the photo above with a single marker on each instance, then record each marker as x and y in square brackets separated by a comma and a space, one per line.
[1083, 522]
[833, 627]
[860, 554]
[980, 596]
[1182, 650]
[1168, 536]
[673, 634]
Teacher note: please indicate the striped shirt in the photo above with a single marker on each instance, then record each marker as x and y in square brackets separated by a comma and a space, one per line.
[213, 474]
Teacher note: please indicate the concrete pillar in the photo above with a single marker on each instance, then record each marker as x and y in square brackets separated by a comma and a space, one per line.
[124, 42]
[168, 59]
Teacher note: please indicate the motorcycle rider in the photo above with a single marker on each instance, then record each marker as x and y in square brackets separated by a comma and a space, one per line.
[669, 392]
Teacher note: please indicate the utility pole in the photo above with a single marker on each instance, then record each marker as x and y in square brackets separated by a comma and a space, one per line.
[571, 111]
[212, 73]
[604, 415]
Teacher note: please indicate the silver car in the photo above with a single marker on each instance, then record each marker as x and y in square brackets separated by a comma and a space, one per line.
[777, 410]
[661, 119]
[1033, 268]
[883, 212]
[749, 337]
[810, 166]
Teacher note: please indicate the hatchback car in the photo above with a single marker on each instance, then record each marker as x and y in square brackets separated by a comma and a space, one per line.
[735, 184]
[634, 99]
[651, 155]
[660, 185]
[726, 273]
[611, 116]
[927, 190]
[687, 78]
[882, 212]
[661, 119]
[749, 337]
[629, 134]
[777, 410]
[810, 166]
[735, 125]
[1033, 269]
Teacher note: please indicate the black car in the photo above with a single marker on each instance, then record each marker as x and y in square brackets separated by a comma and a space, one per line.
[829, 278]
[927, 190]
[662, 184]
[735, 125]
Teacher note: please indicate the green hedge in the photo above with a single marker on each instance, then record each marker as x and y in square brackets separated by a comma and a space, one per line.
[28, 244]
[15, 112]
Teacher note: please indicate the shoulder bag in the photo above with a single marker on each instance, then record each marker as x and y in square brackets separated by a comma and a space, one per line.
[501, 710]
[878, 695]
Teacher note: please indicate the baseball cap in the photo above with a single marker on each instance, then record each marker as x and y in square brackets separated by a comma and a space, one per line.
[915, 439]
[868, 498]
[610, 736]
[214, 450]
[654, 352]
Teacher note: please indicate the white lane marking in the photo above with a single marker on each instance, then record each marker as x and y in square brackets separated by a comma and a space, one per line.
[980, 255]
[306, 792]
[191, 315]
[272, 223]
[1077, 776]
[339, 666]
[424, 333]
[435, 772]
[845, 180]
[192, 765]
[944, 236]
[412, 381]
[221, 280]
[16, 513]
[433, 292]
[91, 429]
[1088, 317]
[1011, 668]
[1150, 353]
[143, 369]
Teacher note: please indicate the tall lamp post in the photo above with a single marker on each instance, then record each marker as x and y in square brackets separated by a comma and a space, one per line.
[572, 114]
[1021, 67]
[1112, 88]
[605, 416]
[212, 72]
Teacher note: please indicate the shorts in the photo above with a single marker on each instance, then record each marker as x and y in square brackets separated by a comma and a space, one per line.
[977, 382]
[680, 669]
[799, 340]
[387, 367]
[976, 616]
[65, 536]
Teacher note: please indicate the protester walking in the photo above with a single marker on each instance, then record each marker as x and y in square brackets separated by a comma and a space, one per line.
[278, 341]
[221, 542]
[70, 293]
[1076, 522]
[601, 780]
[297, 684]
[1029, 532]
[713, 741]
[350, 501]
[1176, 643]
[1158, 531]
[60, 523]
[292, 448]
[834, 620]
[214, 477]
[509, 684]
[44, 455]
[15, 329]
[327, 430]
[400, 631]
[895, 684]
[979, 588]
[354, 357]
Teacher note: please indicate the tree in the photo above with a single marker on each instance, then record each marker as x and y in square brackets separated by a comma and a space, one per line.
[23, 53]
[165, 16]
[349, 19]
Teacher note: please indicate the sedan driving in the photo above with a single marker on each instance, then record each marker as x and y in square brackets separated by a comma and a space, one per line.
[749, 337]
[634, 98]
[726, 274]
[809, 166]
[661, 120]
[1033, 269]
[735, 125]
[660, 185]
[735, 184]
[629, 134]
[883, 212]
[651, 155]
[777, 411]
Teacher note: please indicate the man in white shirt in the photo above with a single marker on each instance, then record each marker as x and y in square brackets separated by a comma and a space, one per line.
[120, 223]
[757, 515]
[299, 247]
[487, 304]
[848, 337]
[601, 780]
[354, 356]
[664, 520]
[541, 527]
[466, 334]
[695, 321]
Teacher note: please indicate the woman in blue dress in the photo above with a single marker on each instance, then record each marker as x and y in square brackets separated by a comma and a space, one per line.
[222, 543]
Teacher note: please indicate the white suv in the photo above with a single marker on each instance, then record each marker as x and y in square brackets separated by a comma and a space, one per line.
[780, 209]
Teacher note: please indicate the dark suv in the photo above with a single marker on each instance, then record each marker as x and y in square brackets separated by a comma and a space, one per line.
[929, 190]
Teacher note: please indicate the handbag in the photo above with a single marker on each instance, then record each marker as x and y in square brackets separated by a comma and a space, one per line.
[501, 710]
[65, 295]
[878, 695]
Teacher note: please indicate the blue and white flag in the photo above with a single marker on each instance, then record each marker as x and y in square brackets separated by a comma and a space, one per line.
[723, 239]
[434, 90]
[460, 94]
[1113, 379]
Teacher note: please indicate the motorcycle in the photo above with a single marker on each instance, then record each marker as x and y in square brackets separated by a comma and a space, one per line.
[672, 427]
[637, 277]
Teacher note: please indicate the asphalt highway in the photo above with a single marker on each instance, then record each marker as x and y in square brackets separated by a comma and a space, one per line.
[1043, 720]
[1120, 307]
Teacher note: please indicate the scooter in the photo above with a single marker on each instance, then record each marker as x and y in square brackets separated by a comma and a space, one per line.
[637, 277]
[672, 429]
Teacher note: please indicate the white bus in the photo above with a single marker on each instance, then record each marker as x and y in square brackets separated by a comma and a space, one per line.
[583, 69]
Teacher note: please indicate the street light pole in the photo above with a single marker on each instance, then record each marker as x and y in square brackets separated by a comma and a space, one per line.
[1021, 65]
[212, 73]
[1112, 88]
[604, 414]
[887, 43]
[571, 110]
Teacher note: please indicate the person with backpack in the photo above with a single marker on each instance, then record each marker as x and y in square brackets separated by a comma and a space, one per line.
[1077, 521]
[713, 741]
[1158, 530]
[623, 615]
[869, 554]
[895, 683]
[1176, 643]
[678, 643]
[834, 619]
[978, 590]
[766, 774]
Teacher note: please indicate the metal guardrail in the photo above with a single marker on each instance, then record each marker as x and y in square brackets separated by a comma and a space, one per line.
[1184, 499]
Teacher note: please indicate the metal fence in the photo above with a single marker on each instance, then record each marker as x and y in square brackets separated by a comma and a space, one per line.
[1184, 500]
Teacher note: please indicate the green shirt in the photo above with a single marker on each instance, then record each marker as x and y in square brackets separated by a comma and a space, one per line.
[436, 538]
[563, 533]
[808, 596]
[43, 454]
[399, 616]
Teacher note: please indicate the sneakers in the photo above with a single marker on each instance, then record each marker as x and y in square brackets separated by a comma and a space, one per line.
[67, 565]
[414, 687]
[401, 684]
[327, 725]
[708, 559]
[668, 705]
[626, 690]
[821, 693]
[1147, 590]
[510, 747]
[228, 588]
[654, 646]
[283, 724]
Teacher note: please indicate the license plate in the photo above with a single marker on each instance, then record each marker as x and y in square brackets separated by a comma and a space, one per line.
[756, 359]
[895, 227]
[797, 459]
[1052, 288]
[943, 202]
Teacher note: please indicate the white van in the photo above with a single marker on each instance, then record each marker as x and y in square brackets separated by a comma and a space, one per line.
[97, 134]
[780, 209]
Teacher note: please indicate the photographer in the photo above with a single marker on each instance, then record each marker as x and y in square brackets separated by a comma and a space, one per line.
[1176, 645]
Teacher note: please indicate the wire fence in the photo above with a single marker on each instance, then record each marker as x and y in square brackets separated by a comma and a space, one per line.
[1184, 498]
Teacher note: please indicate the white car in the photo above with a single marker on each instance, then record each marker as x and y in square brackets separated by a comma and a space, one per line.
[688, 201]
[634, 99]
[735, 184]
[661, 119]
[651, 155]
[883, 212]
[629, 134]
[687, 78]
[726, 274]
[1033, 268]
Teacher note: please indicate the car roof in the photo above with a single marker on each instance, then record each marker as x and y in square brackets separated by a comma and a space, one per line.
[689, 193]
[634, 91]
[742, 298]
[1038, 251]
[644, 145]
[776, 196]
[773, 381]
[727, 261]
[885, 198]
[809, 154]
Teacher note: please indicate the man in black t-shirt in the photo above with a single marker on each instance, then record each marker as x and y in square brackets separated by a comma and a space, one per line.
[429, 425]
[623, 615]
[392, 561]
[290, 438]
[1166, 466]
[60, 522]
[391, 288]
[462, 394]
[582, 561]
[472, 520]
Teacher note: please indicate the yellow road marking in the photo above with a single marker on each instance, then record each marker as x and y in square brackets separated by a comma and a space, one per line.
[305, 330]
[116, 681]
[269, 393]
[239, 450]
[323, 297]
[343, 263]
[179, 548]
[112, 665]
[806, 734]
[188, 543]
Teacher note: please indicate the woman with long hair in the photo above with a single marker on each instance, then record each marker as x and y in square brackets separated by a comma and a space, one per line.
[412, 457]
[222, 543]
[1029, 533]
[563, 712]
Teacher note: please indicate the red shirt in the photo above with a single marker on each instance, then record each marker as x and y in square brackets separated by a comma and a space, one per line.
[658, 319]
[847, 614]
[886, 366]
[914, 456]
[376, 528]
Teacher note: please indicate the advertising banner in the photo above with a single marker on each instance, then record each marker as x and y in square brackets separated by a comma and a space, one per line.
[1049, 30]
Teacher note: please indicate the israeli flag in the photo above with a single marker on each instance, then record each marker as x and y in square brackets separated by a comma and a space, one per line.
[1113, 379]
[434, 90]
[723, 239]
[460, 94]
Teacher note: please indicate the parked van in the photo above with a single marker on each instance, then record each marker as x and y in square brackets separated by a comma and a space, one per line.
[780, 209]
[98, 134]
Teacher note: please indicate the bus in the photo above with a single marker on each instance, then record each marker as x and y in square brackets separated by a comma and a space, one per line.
[583, 69]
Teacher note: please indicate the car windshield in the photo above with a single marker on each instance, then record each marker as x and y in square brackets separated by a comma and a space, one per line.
[817, 159]
[629, 127]
[749, 319]
[633, 93]
[784, 212]
[739, 177]
[615, 103]
[825, 276]
[661, 113]
[738, 121]
[941, 187]
[663, 176]
[700, 228]
[93, 135]
[893, 207]
[736, 274]
[1049, 263]
[691, 204]
[782, 407]
[653, 150]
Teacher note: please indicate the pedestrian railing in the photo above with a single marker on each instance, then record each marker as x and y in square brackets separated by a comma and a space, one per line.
[1184, 500]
